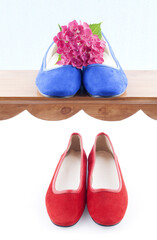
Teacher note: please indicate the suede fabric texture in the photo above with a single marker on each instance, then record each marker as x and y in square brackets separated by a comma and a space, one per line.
[65, 208]
[104, 81]
[106, 207]
[63, 81]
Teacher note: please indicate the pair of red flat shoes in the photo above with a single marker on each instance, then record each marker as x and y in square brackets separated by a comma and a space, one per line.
[106, 196]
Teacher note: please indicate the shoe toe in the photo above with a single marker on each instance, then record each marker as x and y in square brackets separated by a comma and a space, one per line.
[104, 81]
[64, 209]
[60, 82]
[107, 208]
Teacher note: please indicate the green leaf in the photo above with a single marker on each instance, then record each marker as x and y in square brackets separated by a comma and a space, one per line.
[60, 28]
[59, 58]
[96, 29]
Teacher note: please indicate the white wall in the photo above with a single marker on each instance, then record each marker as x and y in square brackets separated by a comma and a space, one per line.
[28, 27]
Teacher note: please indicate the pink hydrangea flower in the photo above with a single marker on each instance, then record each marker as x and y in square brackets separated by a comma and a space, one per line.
[78, 46]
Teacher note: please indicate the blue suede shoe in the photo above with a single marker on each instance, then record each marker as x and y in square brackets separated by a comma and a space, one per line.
[107, 79]
[57, 81]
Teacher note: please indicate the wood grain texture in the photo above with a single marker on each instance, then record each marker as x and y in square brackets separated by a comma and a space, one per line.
[19, 92]
[53, 111]
[10, 110]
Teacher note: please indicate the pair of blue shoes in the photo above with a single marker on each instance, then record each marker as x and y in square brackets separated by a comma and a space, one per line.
[99, 80]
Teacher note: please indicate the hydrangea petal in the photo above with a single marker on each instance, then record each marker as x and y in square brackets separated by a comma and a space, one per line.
[78, 46]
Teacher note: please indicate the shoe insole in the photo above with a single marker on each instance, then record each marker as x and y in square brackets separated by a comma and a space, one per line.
[105, 174]
[69, 172]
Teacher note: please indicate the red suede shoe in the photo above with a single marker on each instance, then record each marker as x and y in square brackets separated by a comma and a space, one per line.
[107, 197]
[66, 195]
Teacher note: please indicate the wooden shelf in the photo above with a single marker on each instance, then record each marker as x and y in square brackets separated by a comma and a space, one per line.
[18, 92]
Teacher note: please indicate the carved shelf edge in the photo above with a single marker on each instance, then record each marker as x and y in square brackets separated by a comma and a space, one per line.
[54, 112]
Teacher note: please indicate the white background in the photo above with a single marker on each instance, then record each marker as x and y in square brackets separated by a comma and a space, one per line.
[27, 29]
[30, 148]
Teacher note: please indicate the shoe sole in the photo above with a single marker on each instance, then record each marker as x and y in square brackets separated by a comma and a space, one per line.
[55, 96]
[103, 225]
[98, 96]
[94, 96]
[63, 225]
